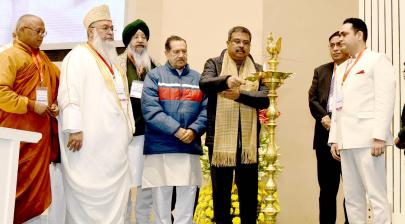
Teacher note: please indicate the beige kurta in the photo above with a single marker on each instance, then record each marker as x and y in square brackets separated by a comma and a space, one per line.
[171, 169]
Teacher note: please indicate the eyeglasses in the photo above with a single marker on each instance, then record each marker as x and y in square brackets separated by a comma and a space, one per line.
[332, 45]
[239, 41]
[40, 32]
[105, 28]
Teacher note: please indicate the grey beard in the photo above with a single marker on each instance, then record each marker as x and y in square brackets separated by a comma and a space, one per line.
[141, 59]
[106, 49]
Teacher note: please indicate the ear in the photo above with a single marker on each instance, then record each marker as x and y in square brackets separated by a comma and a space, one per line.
[228, 44]
[90, 33]
[360, 35]
[17, 33]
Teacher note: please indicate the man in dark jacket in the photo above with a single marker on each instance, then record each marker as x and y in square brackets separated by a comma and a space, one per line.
[320, 104]
[137, 62]
[174, 109]
[233, 140]
[400, 140]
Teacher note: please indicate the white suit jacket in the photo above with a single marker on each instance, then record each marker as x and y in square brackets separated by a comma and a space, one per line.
[368, 102]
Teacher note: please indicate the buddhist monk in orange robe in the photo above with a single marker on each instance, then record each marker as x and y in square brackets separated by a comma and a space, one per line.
[28, 91]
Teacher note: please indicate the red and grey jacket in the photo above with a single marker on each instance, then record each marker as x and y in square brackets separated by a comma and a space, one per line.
[169, 101]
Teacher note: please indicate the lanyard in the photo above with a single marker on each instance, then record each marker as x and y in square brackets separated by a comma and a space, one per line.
[355, 62]
[38, 61]
[105, 62]
[334, 69]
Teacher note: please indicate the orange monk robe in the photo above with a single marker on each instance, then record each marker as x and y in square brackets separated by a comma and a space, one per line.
[19, 78]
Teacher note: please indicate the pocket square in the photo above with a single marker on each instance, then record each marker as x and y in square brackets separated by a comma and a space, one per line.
[360, 72]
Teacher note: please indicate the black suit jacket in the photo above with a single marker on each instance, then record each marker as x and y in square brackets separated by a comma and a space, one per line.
[211, 83]
[401, 133]
[318, 100]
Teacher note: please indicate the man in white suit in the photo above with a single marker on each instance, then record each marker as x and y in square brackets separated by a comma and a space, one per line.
[363, 108]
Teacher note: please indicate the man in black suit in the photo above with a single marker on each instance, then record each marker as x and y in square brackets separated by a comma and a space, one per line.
[400, 139]
[320, 104]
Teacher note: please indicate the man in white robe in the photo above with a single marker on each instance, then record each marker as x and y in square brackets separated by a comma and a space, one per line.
[96, 126]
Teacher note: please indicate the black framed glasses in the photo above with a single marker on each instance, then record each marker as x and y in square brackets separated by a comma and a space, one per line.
[239, 41]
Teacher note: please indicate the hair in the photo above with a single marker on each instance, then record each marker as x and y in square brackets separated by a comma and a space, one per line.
[141, 59]
[173, 38]
[335, 34]
[106, 48]
[358, 25]
[241, 29]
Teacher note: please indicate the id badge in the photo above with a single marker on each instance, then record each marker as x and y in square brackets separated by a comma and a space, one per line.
[42, 95]
[136, 89]
[339, 101]
[121, 95]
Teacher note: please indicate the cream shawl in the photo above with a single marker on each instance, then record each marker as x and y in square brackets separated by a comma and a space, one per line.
[227, 120]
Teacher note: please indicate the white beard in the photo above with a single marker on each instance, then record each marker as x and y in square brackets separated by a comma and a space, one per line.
[142, 59]
[106, 49]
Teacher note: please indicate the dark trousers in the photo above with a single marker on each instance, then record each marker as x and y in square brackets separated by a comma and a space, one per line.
[329, 173]
[246, 179]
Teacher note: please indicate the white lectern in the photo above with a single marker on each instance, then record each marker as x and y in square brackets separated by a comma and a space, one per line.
[9, 151]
